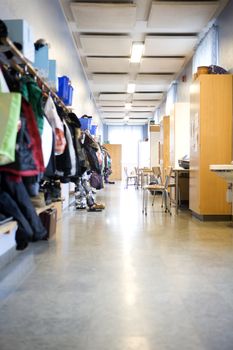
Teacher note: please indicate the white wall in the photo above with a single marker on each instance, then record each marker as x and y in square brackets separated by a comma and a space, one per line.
[129, 137]
[179, 132]
[154, 148]
[144, 154]
[47, 21]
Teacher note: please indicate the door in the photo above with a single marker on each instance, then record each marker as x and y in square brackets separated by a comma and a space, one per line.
[115, 152]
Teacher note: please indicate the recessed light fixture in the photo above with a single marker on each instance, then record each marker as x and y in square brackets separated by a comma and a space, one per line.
[136, 54]
[130, 88]
[128, 105]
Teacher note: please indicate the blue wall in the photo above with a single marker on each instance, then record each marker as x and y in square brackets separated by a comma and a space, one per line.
[183, 87]
[145, 132]
[105, 133]
[225, 23]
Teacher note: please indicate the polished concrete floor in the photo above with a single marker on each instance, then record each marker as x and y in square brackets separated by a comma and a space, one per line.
[117, 280]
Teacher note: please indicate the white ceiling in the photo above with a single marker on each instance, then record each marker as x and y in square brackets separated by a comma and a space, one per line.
[104, 31]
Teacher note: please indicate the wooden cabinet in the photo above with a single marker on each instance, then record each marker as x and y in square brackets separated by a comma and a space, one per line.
[210, 143]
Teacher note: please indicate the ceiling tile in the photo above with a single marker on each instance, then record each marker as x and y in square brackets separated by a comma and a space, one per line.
[108, 64]
[157, 45]
[154, 78]
[143, 87]
[161, 65]
[113, 114]
[147, 95]
[113, 109]
[110, 78]
[105, 103]
[148, 103]
[106, 45]
[181, 16]
[108, 96]
[142, 108]
[109, 82]
[103, 16]
[140, 114]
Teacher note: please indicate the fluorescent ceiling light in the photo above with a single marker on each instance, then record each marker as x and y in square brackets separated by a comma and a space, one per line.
[131, 88]
[137, 50]
[128, 105]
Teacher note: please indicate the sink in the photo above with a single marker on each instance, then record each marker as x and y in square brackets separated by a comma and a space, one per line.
[226, 172]
[223, 170]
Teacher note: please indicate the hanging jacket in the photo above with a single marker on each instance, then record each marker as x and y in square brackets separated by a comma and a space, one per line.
[71, 150]
[83, 162]
[100, 157]
[81, 159]
[50, 170]
[28, 152]
[57, 125]
[9, 207]
[47, 142]
[10, 105]
[33, 94]
[91, 148]
[63, 162]
[16, 189]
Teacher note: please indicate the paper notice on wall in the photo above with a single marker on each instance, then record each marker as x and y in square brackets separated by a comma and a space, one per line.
[195, 132]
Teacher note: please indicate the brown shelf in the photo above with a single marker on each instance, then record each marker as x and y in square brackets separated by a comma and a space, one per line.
[8, 226]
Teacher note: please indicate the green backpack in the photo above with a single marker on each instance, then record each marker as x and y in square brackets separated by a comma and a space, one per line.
[10, 106]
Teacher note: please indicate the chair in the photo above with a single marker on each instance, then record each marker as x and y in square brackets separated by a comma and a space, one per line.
[130, 179]
[138, 173]
[157, 173]
[146, 174]
[163, 188]
[158, 178]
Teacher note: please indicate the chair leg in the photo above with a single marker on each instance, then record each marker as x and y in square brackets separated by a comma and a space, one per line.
[170, 204]
[167, 202]
[163, 194]
[153, 201]
[146, 201]
[143, 200]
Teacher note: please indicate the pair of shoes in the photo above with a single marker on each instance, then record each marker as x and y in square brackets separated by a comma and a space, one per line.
[42, 236]
[97, 207]
[58, 199]
[93, 209]
[80, 206]
[39, 200]
[21, 245]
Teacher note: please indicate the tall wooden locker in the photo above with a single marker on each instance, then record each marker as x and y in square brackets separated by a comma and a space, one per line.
[210, 143]
[115, 152]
